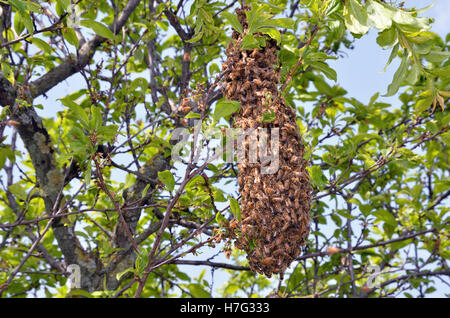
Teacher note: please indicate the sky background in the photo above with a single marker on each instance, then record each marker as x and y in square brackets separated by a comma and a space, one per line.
[359, 72]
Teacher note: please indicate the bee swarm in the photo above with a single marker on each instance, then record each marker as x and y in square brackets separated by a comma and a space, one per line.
[274, 207]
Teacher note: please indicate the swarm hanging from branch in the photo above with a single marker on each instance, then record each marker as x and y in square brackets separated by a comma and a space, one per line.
[274, 206]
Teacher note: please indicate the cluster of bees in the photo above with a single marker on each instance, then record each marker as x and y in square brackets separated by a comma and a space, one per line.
[274, 207]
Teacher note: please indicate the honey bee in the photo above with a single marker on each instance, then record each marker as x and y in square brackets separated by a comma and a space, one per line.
[280, 186]
[266, 73]
[268, 261]
[295, 180]
[267, 84]
[248, 179]
[279, 241]
[259, 205]
[293, 215]
[277, 199]
[250, 62]
[296, 193]
[234, 75]
[267, 235]
[260, 272]
[294, 160]
[296, 237]
[258, 253]
[261, 196]
[285, 226]
[288, 203]
[258, 82]
[247, 111]
[270, 191]
[277, 206]
[246, 85]
[286, 217]
[255, 54]
[291, 127]
[231, 89]
[247, 219]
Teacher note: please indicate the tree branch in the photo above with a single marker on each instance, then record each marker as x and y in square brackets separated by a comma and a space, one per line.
[84, 55]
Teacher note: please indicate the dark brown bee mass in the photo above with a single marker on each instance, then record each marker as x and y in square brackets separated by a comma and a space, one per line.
[274, 207]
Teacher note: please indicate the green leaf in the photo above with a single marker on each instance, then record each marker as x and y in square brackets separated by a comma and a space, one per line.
[96, 120]
[183, 276]
[18, 191]
[99, 28]
[206, 16]
[408, 23]
[441, 71]
[167, 178]
[393, 54]
[287, 57]
[413, 74]
[256, 19]
[70, 36]
[423, 103]
[44, 46]
[197, 291]
[144, 192]
[193, 115]
[80, 113]
[436, 56]
[141, 262]
[317, 176]
[355, 17]
[5, 152]
[233, 20]
[87, 173]
[379, 16]
[196, 37]
[64, 4]
[312, 56]
[273, 33]
[388, 37]
[385, 216]
[107, 133]
[250, 42]
[26, 19]
[398, 245]
[7, 71]
[268, 117]
[325, 69]
[19, 5]
[333, 7]
[121, 274]
[35, 7]
[220, 219]
[399, 76]
[225, 108]
[283, 23]
[323, 87]
[235, 208]
[18, 24]
[79, 292]
[163, 25]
